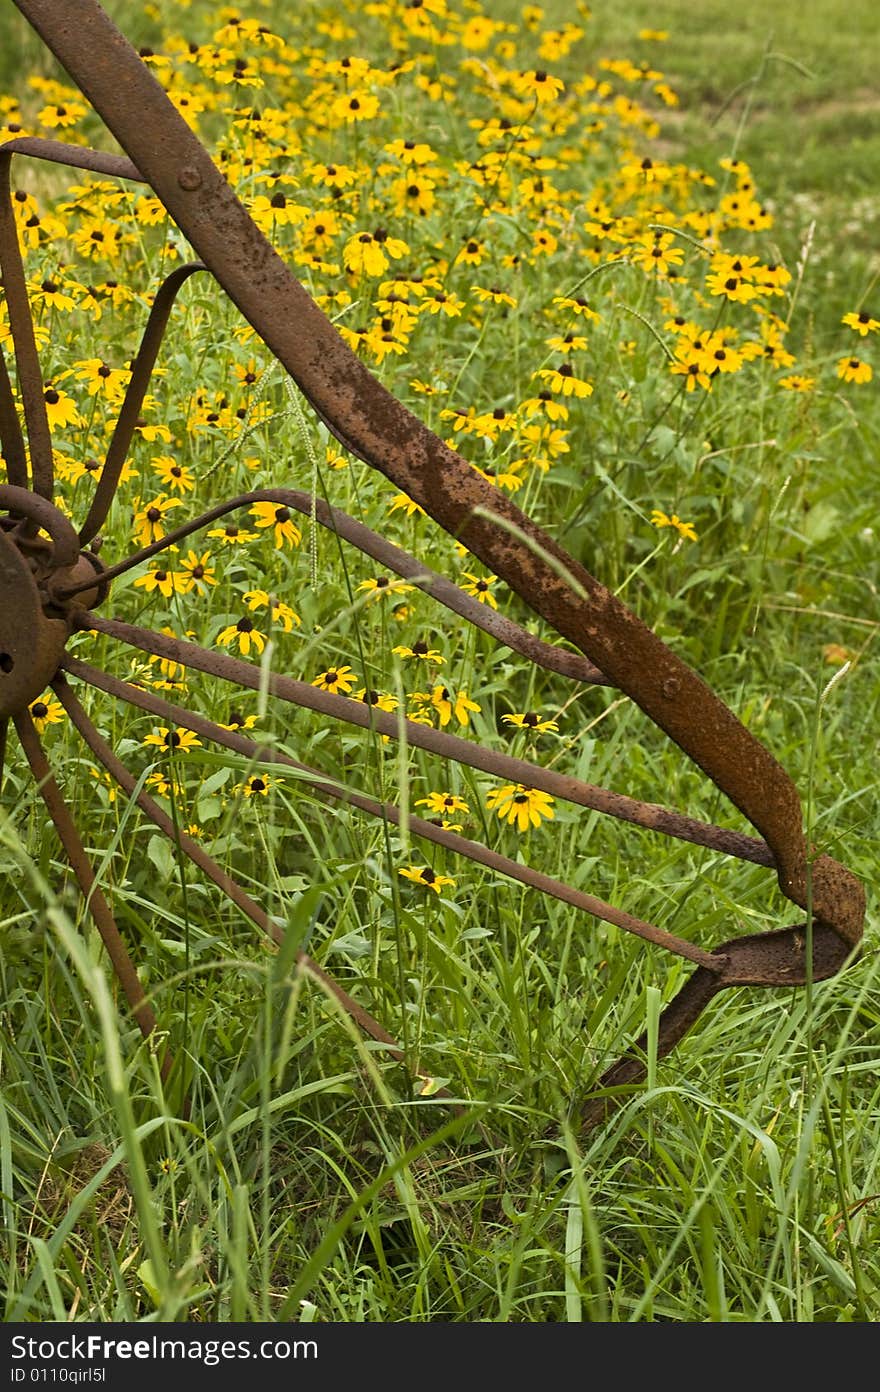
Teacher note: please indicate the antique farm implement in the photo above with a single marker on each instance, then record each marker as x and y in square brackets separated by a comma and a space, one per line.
[52, 583]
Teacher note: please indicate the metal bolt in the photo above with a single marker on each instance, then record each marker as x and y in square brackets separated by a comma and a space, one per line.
[189, 178]
[670, 688]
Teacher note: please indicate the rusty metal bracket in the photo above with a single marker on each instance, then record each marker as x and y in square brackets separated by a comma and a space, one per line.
[48, 590]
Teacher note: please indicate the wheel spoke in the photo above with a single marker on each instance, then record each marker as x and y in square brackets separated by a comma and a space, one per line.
[11, 438]
[95, 900]
[452, 747]
[458, 845]
[27, 362]
[141, 372]
[215, 872]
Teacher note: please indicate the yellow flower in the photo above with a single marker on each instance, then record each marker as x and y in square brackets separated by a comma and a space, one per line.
[335, 680]
[178, 477]
[380, 699]
[165, 581]
[538, 84]
[279, 518]
[480, 588]
[367, 253]
[177, 741]
[420, 649]
[520, 806]
[684, 529]
[443, 803]
[232, 535]
[359, 105]
[797, 383]
[861, 322]
[257, 785]
[281, 613]
[381, 585]
[492, 295]
[424, 875]
[238, 721]
[448, 705]
[60, 408]
[410, 151]
[149, 520]
[530, 720]
[854, 370]
[196, 573]
[562, 380]
[45, 712]
[244, 634]
[100, 378]
[401, 500]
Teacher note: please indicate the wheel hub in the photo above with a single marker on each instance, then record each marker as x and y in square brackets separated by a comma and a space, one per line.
[36, 619]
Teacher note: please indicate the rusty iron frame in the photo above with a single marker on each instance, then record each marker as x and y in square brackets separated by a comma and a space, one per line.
[56, 585]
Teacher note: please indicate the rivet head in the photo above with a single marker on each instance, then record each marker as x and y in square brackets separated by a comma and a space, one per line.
[189, 178]
[670, 688]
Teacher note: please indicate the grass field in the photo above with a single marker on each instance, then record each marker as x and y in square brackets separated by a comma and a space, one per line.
[643, 302]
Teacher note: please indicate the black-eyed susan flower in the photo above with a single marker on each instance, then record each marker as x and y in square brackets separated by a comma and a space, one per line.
[401, 501]
[480, 587]
[690, 364]
[657, 254]
[424, 875]
[100, 378]
[378, 586]
[443, 302]
[533, 722]
[279, 518]
[538, 85]
[733, 287]
[368, 253]
[861, 321]
[577, 305]
[563, 381]
[684, 529]
[178, 741]
[257, 785]
[359, 105]
[163, 785]
[797, 383]
[149, 519]
[567, 343]
[420, 650]
[61, 115]
[520, 806]
[337, 680]
[854, 370]
[493, 294]
[60, 408]
[237, 720]
[444, 804]
[281, 613]
[179, 478]
[197, 573]
[45, 712]
[232, 535]
[54, 294]
[167, 582]
[448, 704]
[243, 635]
[382, 700]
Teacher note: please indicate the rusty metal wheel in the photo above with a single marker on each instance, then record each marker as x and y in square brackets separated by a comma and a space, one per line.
[52, 584]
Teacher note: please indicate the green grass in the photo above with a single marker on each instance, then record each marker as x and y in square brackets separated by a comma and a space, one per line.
[308, 1177]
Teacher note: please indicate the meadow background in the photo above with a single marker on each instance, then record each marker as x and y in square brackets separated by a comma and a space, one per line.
[733, 508]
